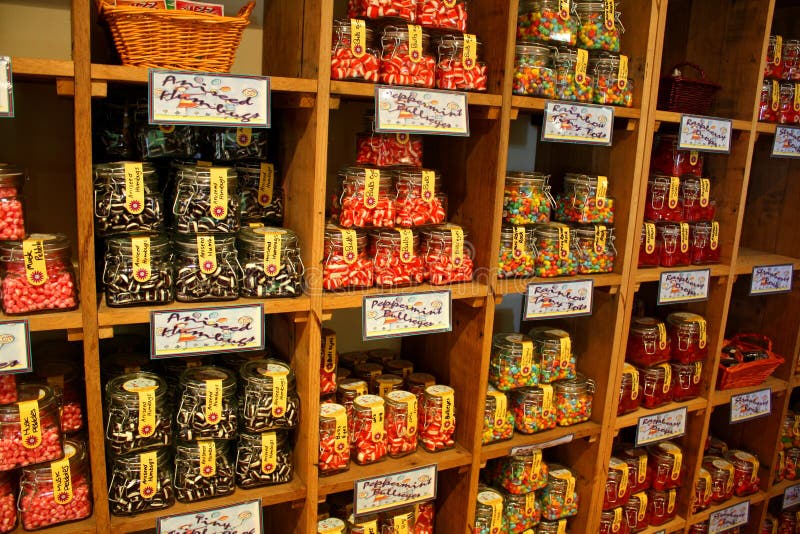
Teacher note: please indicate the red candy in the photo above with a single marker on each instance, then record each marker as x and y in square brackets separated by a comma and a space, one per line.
[376, 9]
[686, 380]
[722, 476]
[670, 161]
[368, 437]
[613, 522]
[656, 385]
[424, 520]
[773, 67]
[12, 219]
[442, 14]
[71, 417]
[13, 453]
[446, 261]
[386, 150]
[401, 423]
[665, 466]
[789, 104]
[438, 418]
[661, 506]
[648, 343]
[365, 198]
[8, 389]
[745, 476]
[396, 259]
[349, 61]
[458, 70]
[791, 60]
[636, 512]
[705, 243]
[617, 490]
[672, 244]
[770, 102]
[648, 254]
[38, 508]
[695, 197]
[688, 336]
[629, 393]
[419, 198]
[346, 264]
[400, 66]
[334, 448]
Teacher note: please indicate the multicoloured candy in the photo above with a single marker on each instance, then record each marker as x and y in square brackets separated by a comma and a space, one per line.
[547, 20]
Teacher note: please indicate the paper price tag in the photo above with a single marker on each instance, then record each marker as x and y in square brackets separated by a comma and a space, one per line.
[705, 134]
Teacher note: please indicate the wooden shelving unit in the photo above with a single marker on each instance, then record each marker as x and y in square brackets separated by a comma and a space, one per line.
[757, 198]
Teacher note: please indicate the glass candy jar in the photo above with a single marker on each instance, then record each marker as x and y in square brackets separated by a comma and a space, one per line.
[516, 258]
[672, 244]
[263, 459]
[636, 512]
[521, 513]
[617, 490]
[687, 332]
[366, 198]
[30, 432]
[702, 491]
[585, 200]
[489, 518]
[396, 258]
[745, 476]
[460, 67]
[261, 193]
[656, 385]
[668, 160]
[594, 249]
[663, 198]
[534, 408]
[203, 470]
[611, 83]
[695, 197]
[377, 9]
[131, 493]
[686, 380]
[637, 460]
[405, 59]
[520, 474]
[704, 237]
[599, 25]
[138, 413]
[559, 498]
[268, 396]
[648, 253]
[206, 268]
[334, 448]
[498, 419]
[555, 255]
[526, 198]
[449, 14]
[573, 81]
[722, 478]
[346, 264]
[438, 419]
[207, 200]
[401, 423]
[368, 436]
[614, 522]
[353, 58]
[126, 199]
[553, 349]
[271, 262]
[573, 400]
[773, 67]
[534, 73]
[661, 506]
[629, 391]
[548, 21]
[138, 271]
[513, 363]
[419, 198]
[448, 254]
[207, 405]
[665, 466]
[648, 343]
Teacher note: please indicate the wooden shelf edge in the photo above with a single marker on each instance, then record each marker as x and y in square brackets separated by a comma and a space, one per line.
[675, 118]
[699, 517]
[503, 448]
[766, 127]
[531, 103]
[269, 495]
[630, 419]
[674, 525]
[29, 67]
[85, 526]
[444, 460]
[45, 321]
[654, 274]
[354, 299]
[511, 286]
[724, 396]
[749, 258]
[781, 487]
[363, 90]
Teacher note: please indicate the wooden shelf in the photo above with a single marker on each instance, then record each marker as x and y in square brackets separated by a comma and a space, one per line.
[87, 526]
[359, 91]
[675, 525]
[781, 487]
[520, 285]
[28, 67]
[675, 118]
[749, 258]
[724, 396]
[654, 274]
[354, 299]
[766, 128]
[699, 517]
[450, 459]
[529, 103]
[588, 429]
[630, 419]
[39, 322]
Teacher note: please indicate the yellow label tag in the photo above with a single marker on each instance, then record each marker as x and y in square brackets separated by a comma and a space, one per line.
[671, 502]
[457, 245]
[649, 237]
[448, 406]
[580, 66]
[662, 336]
[208, 458]
[796, 97]
[450, 3]
[701, 324]
[705, 191]
[628, 369]
[547, 397]
[219, 193]
[30, 425]
[207, 253]
[469, 54]
[565, 349]
[349, 246]
[140, 256]
[729, 482]
[706, 477]
[269, 452]
[266, 184]
[776, 96]
[372, 184]
[641, 472]
[698, 371]
[600, 237]
[674, 189]
[601, 191]
[428, 186]
[35, 263]
[62, 481]
[563, 10]
[340, 439]
[244, 136]
[694, 157]
[329, 354]
[370, 527]
[415, 43]
[526, 359]
[609, 14]
[400, 523]
[563, 241]
[411, 408]
[358, 37]
[777, 52]
[536, 464]
[213, 406]
[684, 237]
[530, 505]
[134, 188]
[622, 74]
[562, 526]
[500, 408]
[518, 241]
[566, 476]
[273, 247]
[377, 413]
[147, 411]
[677, 457]
[667, 376]
[642, 496]
[280, 391]
[406, 245]
[148, 474]
[714, 241]
[623, 467]
[617, 519]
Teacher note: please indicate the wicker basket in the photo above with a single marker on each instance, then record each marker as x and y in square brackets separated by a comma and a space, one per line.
[749, 373]
[171, 39]
[686, 95]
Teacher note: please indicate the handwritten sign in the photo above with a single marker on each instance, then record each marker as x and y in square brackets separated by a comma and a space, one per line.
[577, 123]
[6, 88]
[527, 449]
[661, 426]
[406, 314]
[768, 279]
[242, 518]
[421, 111]
[387, 492]
[559, 299]
[683, 286]
[751, 405]
[208, 99]
[15, 347]
[705, 134]
[791, 496]
[175, 333]
[786, 143]
[730, 517]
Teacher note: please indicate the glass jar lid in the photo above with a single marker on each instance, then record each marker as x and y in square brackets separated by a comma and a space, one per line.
[548, 335]
[128, 386]
[687, 320]
[201, 174]
[399, 34]
[28, 392]
[343, 27]
[333, 235]
[133, 461]
[53, 244]
[253, 238]
[645, 325]
[187, 244]
[413, 176]
[11, 176]
[196, 378]
[192, 448]
[579, 384]
[159, 245]
[114, 173]
[262, 371]
[529, 178]
[74, 450]
[536, 50]
[512, 342]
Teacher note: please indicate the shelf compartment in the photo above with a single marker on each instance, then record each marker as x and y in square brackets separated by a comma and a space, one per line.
[699, 517]
[269, 495]
[354, 299]
[28, 67]
[672, 117]
[511, 286]
[749, 258]
[367, 90]
[450, 459]
[530, 103]
[724, 396]
[675, 525]
[630, 419]
[589, 429]
[654, 274]
[108, 316]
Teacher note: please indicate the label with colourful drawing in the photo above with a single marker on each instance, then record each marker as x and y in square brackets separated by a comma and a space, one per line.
[406, 314]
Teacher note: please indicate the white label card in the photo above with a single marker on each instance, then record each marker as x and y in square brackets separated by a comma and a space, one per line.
[6, 88]
[175, 333]
[683, 286]
[552, 300]
[527, 449]
[15, 347]
[577, 123]
[406, 314]
[705, 134]
[421, 111]
[730, 517]
[242, 518]
[768, 279]
[786, 143]
[753, 405]
[791, 496]
[661, 426]
[386, 492]
[208, 99]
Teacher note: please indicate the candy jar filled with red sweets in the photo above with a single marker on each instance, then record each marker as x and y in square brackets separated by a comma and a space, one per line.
[460, 66]
[8, 502]
[405, 58]
[387, 149]
[30, 431]
[665, 465]
[396, 258]
[687, 332]
[648, 253]
[438, 419]
[345, 263]
[352, 54]
[448, 254]
[420, 199]
[648, 343]
[663, 198]
[443, 14]
[686, 380]
[379, 9]
[704, 238]
[745, 475]
[366, 198]
[656, 385]
[629, 390]
[722, 478]
[368, 437]
[617, 484]
[12, 209]
[334, 450]
[673, 244]
[401, 423]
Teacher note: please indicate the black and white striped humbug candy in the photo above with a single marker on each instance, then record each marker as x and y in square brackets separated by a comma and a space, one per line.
[270, 259]
[262, 195]
[264, 459]
[269, 396]
[138, 271]
[207, 268]
[130, 493]
[127, 199]
[206, 200]
[139, 416]
[208, 404]
[203, 469]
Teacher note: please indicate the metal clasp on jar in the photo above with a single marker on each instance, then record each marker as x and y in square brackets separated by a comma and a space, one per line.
[650, 342]
[183, 190]
[684, 340]
[658, 195]
[670, 243]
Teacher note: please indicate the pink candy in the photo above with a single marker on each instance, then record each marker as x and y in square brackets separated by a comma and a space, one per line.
[451, 75]
[14, 454]
[71, 417]
[376, 9]
[445, 14]
[345, 66]
[8, 389]
[397, 68]
[57, 293]
[39, 508]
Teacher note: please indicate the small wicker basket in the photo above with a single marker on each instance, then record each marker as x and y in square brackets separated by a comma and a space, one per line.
[171, 39]
[748, 373]
[683, 94]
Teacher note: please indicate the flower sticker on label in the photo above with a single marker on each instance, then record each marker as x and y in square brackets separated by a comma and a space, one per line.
[580, 66]
[148, 474]
[601, 191]
[406, 245]
[208, 458]
[622, 73]
[349, 246]
[213, 406]
[714, 241]
[428, 185]
[266, 184]
[565, 475]
[244, 136]
[372, 183]
[415, 43]
[62, 481]
[207, 253]
[563, 241]
[456, 245]
[140, 257]
[494, 501]
[649, 237]
[500, 407]
[35, 263]
[273, 248]
[600, 237]
[219, 192]
[30, 425]
[526, 360]
[269, 452]
[530, 505]
[358, 37]
[134, 188]
[470, 51]
[694, 157]
[609, 14]
[145, 390]
[796, 104]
